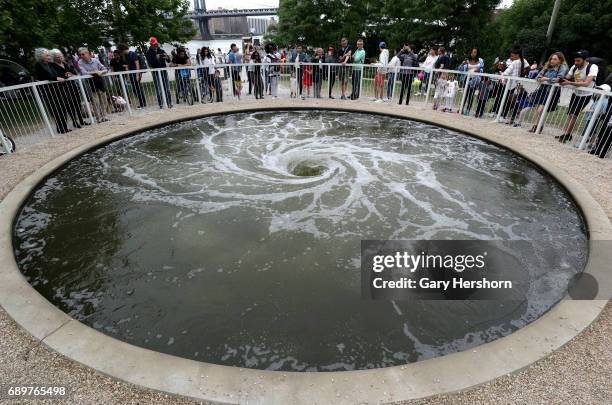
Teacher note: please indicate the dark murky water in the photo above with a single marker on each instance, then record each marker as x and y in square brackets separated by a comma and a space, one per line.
[235, 239]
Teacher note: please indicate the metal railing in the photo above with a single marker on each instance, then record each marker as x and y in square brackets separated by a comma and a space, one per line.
[580, 117]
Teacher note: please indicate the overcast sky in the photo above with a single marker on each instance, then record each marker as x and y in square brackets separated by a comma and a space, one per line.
[230, 4]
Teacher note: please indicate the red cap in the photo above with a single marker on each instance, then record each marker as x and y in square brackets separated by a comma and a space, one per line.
[153, 41]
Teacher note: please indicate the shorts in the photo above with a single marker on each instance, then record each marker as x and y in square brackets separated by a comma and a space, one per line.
[577, 104]
[344, 72]
[379, 79]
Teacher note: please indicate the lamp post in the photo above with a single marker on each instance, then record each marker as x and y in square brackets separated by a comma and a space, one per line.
[551, 29]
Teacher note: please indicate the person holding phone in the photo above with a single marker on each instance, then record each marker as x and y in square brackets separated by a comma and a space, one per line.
[344, 56]
[582, 74]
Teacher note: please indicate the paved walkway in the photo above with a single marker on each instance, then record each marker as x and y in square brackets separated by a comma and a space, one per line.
[580, 372]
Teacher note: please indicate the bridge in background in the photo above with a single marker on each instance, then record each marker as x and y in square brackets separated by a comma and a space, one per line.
[203, 17]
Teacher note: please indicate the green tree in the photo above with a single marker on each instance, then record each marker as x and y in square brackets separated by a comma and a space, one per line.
[25, 25]
[134, 21]
[585, 24]
[457, 24]
[28, 24]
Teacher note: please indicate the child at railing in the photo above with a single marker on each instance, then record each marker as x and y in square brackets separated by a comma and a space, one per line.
[449, 97]
[441, 86]
[308, 79]
[484, 88]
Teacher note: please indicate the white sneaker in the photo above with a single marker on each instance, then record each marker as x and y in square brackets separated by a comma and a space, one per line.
[385, 99]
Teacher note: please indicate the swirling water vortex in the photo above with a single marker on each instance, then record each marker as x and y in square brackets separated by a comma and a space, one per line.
[235, 239]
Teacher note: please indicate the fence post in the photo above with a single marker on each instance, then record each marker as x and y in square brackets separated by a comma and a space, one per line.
[231, 81]
[125, 95]
[397, 73]
[329, 88]
[503, 100]
[592, 121]
[198, 89]
[87, 105]
[465, 90]
[162, 86]
[363, 70]
[429, 82]
[540, 123]
[43, 112]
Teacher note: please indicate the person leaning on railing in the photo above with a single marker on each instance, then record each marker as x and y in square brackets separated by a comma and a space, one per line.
[381, 72]
[318, 71]
[602, 141]
[473, 64]
[71, 95]
[131, 62]
[211, 86]
[581, 74]
[50, 93]
[331, 58]
[157, 58]
[496, 86]
[88, 65]
[344, 57]
[517, 67]
[554, 69]
[392, 69]
[258, 86]
[272, 68]
[358, 58]
[408, 59]
[428, 65]
[298, 57]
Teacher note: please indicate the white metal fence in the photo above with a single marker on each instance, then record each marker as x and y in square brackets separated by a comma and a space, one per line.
[579, 117]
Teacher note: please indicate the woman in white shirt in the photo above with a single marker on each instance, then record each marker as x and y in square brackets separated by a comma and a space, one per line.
[381, 71]
[208, 75]
[516, 68]
[392, 67]
[427, 65]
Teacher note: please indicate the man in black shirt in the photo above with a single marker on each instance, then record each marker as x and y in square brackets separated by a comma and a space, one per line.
[183, 76]
[408, 59]
[443, 61]
[157, 58]
[344, 56]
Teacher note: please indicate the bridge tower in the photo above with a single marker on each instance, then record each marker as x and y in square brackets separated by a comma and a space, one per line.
[203, 22]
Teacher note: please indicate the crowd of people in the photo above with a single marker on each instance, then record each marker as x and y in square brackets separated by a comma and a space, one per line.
[396, 72]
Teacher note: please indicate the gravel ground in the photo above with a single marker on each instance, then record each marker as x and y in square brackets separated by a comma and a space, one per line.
[580, 372]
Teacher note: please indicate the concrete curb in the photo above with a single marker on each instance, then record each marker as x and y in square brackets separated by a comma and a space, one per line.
[224, 384]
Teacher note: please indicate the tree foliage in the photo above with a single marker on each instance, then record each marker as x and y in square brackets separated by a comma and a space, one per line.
[586, 24]
[136, 21]
[28, 24]
[458, 25]
[454, 23]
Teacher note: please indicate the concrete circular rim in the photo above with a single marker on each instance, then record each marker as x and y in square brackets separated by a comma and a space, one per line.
[226, 384]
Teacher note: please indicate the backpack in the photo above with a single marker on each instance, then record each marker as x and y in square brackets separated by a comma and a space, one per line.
[273, 59]
[601, 73]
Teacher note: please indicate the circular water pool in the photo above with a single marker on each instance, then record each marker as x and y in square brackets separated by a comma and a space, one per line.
[235, 239]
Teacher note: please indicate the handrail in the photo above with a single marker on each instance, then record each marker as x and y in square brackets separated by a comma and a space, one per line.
[48, 103]
[292, 64]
